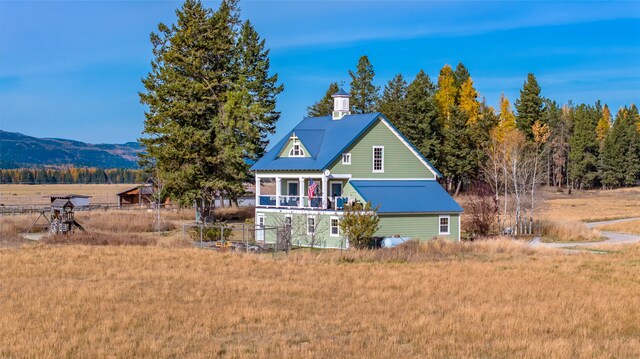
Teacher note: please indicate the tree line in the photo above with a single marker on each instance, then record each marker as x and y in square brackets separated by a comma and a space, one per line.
[582, 145]
[71, 176]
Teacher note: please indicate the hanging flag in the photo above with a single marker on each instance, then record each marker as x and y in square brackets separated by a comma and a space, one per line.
[312, 188]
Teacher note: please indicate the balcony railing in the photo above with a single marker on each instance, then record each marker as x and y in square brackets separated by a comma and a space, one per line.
[335, 203]
[290, 202]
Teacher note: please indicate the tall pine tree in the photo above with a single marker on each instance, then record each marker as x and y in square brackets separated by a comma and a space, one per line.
[391, 103]
[461, 74]
[254, 69]
[620, 159]
[583, 156]
[211, 102]
[420, 121]
[529, 106]
[364, 94]
[459, 156]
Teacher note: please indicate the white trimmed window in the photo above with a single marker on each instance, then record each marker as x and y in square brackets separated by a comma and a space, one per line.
[311, 225]
[444, 224]
[335, 227]
[296, 150]
[346, 158]
[378, 158]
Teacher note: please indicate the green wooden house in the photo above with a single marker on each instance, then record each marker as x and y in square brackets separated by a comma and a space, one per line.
[327, 163]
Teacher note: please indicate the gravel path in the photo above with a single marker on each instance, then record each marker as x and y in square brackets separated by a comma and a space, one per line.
[612, 237]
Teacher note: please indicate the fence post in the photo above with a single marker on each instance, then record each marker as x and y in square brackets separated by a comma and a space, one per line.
[247, 248]
[200, 225]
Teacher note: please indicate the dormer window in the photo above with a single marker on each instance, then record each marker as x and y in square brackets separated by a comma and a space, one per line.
[296, 151]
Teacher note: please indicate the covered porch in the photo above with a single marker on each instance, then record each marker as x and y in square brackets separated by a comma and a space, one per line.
[292, 191]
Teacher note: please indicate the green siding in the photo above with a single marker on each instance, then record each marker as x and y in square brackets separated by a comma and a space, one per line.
[289, 146]
[349, 191]
[399, 161]
[416, 226]
[299, 233]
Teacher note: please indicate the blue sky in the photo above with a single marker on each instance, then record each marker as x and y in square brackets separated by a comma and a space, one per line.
[72, 69]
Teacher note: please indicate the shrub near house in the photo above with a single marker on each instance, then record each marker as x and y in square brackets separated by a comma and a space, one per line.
[327, 164]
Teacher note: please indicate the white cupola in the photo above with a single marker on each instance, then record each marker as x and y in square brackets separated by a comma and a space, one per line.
[340, 104]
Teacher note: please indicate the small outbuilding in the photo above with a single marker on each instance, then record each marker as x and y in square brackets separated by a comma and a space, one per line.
[140, 195]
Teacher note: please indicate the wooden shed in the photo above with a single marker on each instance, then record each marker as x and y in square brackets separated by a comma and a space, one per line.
[140, 195]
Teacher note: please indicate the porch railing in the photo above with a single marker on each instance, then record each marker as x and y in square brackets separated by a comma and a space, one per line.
[290, 201]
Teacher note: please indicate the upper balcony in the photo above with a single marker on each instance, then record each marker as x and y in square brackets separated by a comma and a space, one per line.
[292, 191]
[284, 201]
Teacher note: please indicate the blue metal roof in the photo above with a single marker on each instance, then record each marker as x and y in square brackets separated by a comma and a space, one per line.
[323, 137]
[406, 196]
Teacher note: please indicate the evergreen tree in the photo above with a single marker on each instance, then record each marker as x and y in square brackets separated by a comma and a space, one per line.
[461, 74]
[481, 131]
[420, 121]
[529, 106]
[621, 150]
[460, 160]
[211, 102]
[583, 155]
[324, 106]
[364, 94]
[391, 103]
[447, 93]
[262, 88]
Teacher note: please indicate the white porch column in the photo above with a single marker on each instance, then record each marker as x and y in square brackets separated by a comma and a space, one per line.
[257, 191]
[301, 192]
[278, 192]
[325, 191]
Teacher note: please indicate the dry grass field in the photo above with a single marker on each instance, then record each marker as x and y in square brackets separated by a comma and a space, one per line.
[122, 291]
[632, 227]
[564, 214]
[494, 301]
[568, 231]
[24, 194]
[591, 206]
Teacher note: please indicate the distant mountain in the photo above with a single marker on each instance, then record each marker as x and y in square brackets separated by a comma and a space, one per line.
[18, 150]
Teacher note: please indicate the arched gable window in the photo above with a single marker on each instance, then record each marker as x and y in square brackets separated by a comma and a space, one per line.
[296, 151]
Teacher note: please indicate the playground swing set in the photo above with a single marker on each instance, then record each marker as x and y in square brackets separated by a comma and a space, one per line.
[61, 219]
